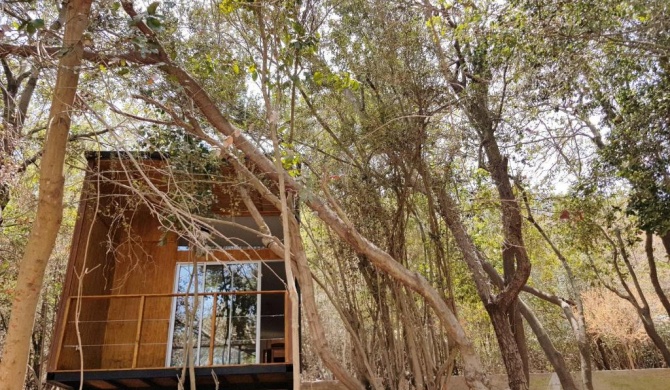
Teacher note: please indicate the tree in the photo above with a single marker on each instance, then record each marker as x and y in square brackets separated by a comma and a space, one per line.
[49, 209]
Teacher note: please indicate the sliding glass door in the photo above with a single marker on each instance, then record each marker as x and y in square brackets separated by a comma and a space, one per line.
[221, 327]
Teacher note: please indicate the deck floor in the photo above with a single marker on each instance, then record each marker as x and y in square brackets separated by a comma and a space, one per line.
[239, 377]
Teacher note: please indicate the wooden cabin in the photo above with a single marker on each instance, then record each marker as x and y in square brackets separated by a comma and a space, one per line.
[138, 295]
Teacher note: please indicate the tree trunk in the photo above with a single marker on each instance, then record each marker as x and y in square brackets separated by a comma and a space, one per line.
[290, 279]
[649, 327]
[641, 308]
[653, 273]
[13, 117]
[552, 354]
[303, 275]
[578, 326]
[577, 322]
[310, 306]
[665, 238]
[479, 268]
[520, 336]
[50, 204]
[516, 264]
[603, 353]
[508, 348]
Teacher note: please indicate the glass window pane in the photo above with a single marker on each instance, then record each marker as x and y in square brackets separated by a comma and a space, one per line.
[233, 317]
[183, 315]
[223, 330]
[205, 329]
[243, 341]
[217, 278]
[186, 281]
[245, 276]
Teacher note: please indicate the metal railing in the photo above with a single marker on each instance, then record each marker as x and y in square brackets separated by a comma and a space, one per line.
[136, 330]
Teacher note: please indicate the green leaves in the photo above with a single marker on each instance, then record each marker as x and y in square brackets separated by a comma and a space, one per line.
[154, 20]
[154, 23]
[338, 81]
[253, 72]
[318, 78]
[31, 26]
[37, 24]
[151, 9]
[227, 6]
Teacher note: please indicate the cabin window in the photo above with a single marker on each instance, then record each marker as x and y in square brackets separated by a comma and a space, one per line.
[223, 327]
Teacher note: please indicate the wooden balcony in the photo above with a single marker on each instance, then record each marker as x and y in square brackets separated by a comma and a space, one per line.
[239, 340]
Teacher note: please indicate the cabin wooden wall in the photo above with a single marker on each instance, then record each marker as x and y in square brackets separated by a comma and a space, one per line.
[145, 263]
[117, 261]
[88, 268]
[141, 260]
[227, 201]
[138, 265]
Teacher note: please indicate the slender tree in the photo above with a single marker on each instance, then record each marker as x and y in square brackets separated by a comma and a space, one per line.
[49, 210]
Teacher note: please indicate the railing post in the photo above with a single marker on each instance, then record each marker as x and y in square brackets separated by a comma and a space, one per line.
[138, 335]
[288, 326]
[212, 334]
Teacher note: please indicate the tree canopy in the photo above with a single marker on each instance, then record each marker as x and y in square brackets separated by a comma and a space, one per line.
[475, 180]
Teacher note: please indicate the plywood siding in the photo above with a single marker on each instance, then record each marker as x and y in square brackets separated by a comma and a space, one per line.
[88, 269]
[145, 262]
[227, 201]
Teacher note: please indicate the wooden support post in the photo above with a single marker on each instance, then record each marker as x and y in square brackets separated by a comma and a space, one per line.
[212, 331]
[61, 336]
[288, 344]
[138, 335]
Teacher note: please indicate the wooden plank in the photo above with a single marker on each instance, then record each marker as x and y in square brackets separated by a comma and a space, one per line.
[100, 384]
[288, 344]
[143, 268]
[87, 251]
[240, 379]
[160, 279]
[228, 202]
[121, 296]
[91, 318]
[69, 273]
[155, 331]
[133, 383]
[59, 344]
[272, 378]
[157, 372]
[120, 333]
[165, 382]
[140, 316]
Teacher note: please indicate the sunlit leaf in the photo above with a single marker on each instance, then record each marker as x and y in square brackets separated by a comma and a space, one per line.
[154, 23]
[151, 9]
